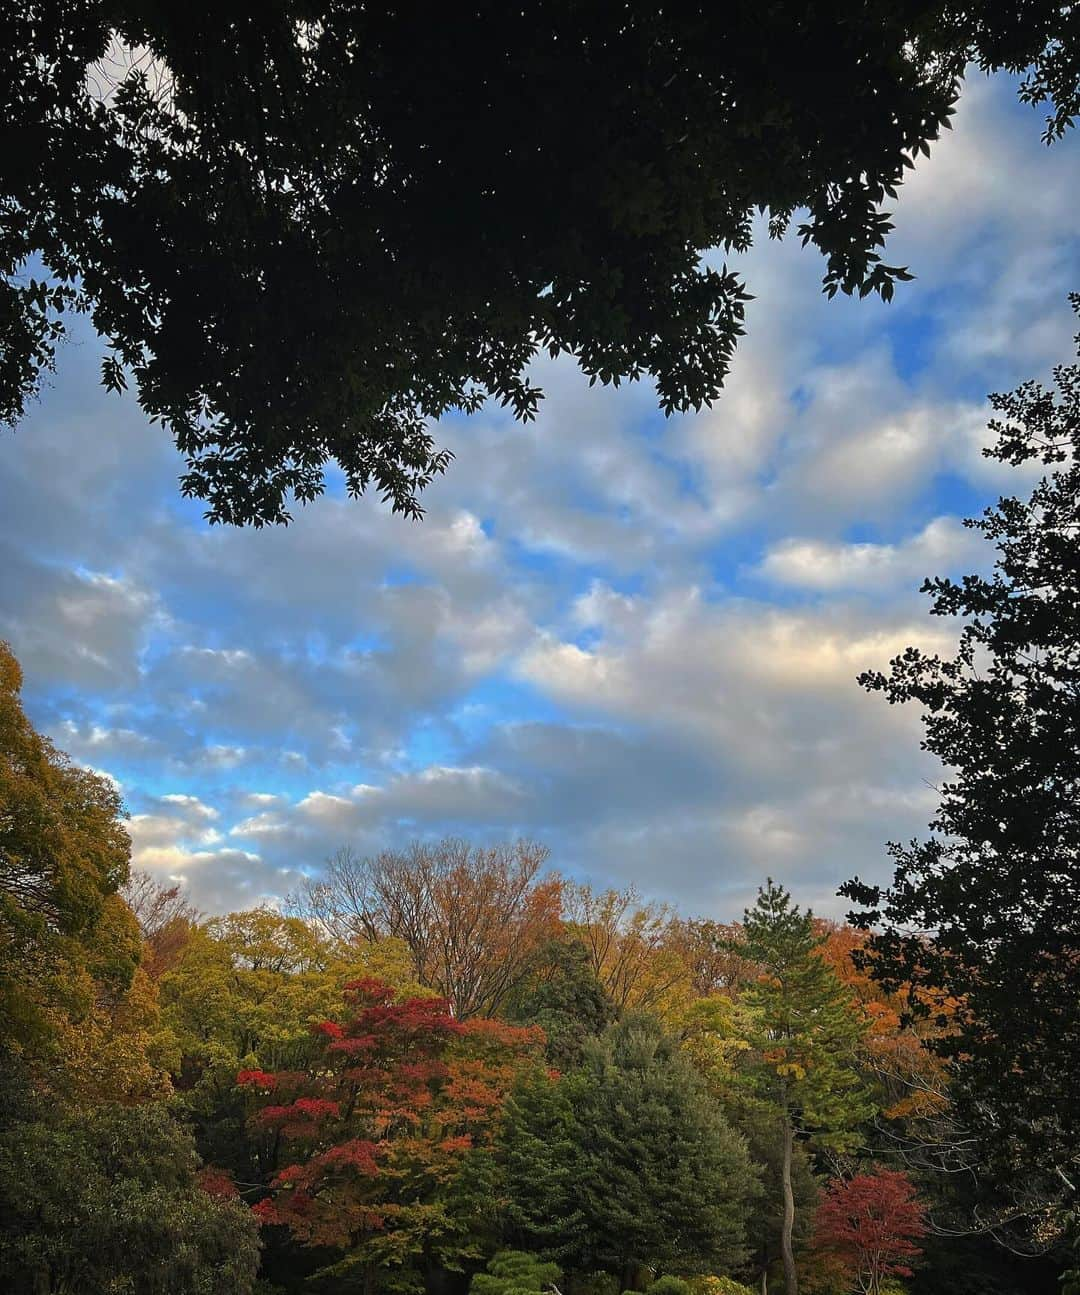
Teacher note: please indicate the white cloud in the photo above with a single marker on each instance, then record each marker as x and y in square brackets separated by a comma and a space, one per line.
[941, 547]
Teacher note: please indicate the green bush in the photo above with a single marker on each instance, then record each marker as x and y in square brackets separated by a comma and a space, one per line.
[594, 1283]
[515, 1272]
[668, 1286]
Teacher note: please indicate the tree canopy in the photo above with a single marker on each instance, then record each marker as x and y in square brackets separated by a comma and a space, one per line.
[110, 1201]
[304, 230]
[986, 908]
[65, 935]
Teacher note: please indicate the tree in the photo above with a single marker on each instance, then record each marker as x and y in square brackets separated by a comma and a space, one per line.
[763, 1127]
[384, 1125]
[107, 1199]
[662, 1181]
[66, 938]
[473, 918]
[304, 232]
[513, 1272]
[627, 942]
[165, 917]
[805, 1061]
[247, 990]
[871, 1223]
[246, 993]
[540, 1163]
[981, 923]
[563, 995]
[709, 949]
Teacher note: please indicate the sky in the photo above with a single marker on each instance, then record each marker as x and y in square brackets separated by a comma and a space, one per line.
[633, 639]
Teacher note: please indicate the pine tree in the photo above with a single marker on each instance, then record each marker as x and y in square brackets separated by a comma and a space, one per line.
[807, 1031]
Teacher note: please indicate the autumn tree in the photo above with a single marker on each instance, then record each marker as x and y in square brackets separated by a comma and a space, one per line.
[472, 917]
[987, 907]
[66, 937]
[807, 1032]
[165, 917]
[384, 1130]
[247, 989]
[871, 1224]
[627, 943]
[710, 951]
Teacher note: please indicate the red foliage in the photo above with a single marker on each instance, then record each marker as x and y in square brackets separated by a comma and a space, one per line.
[871, 1224]
[256, 1079]
[217, 1183]
[386, 1115]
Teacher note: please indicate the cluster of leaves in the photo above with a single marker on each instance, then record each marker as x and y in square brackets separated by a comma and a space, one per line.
[305, 232]
[107, 1200]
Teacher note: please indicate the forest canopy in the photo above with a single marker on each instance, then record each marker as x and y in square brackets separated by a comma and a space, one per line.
[287, 1100]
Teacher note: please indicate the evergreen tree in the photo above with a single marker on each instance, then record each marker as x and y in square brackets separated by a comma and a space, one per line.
[540, 1160]
[565, 997]
[807, 1031]
[664, 1182]
[108, 1199]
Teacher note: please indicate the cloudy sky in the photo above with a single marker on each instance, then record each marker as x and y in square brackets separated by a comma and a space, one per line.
[633, 639]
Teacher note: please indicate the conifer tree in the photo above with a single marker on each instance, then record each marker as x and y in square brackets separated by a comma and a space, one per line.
[807, 1032]
[664, 1181]
[540, 1162]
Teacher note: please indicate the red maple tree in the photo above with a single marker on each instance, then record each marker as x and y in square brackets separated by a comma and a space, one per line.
[870, 1224]
[378, 1130]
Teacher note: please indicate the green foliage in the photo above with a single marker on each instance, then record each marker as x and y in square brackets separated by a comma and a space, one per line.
[805, 1033]
[247, 990]
[592, 1283]
[668, 1286]
[539, 1158]
[514, 1272]
[565, 998]
[107, 1200]
[299, 255]
[807, 1028]
[66, 939]
[661, 1178]
[999, 880]
[761, 1123]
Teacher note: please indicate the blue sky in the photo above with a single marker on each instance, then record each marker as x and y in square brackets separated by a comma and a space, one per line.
[634, 639]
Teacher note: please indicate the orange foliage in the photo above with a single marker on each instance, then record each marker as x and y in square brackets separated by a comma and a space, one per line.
[913, 1076]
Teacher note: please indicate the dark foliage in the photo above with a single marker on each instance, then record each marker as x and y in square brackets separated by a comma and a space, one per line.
[997, 886]
[306, 229]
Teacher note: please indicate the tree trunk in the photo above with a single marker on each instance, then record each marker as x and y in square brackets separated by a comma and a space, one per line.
[791, 1279]
[765, 1281]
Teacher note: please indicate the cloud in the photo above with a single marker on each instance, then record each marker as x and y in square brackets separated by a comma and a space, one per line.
[942, 546]
[634, 638]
